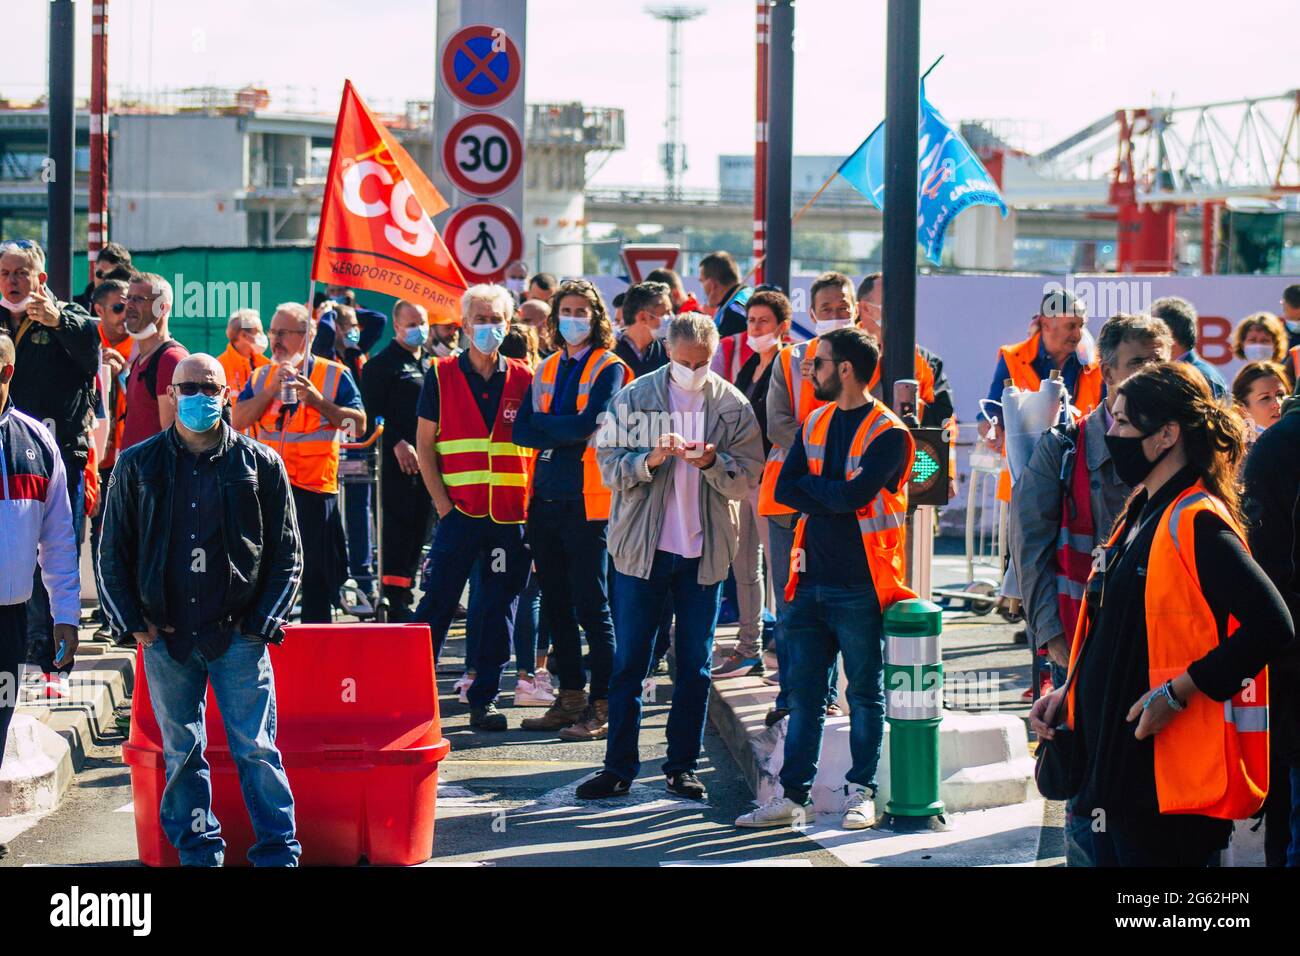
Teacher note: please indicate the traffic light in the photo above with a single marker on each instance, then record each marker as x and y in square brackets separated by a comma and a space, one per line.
[929, 482]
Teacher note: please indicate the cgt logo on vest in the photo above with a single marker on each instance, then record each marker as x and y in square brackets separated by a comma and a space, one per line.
[509, 410]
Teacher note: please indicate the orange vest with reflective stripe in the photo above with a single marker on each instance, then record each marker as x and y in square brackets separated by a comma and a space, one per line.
[239, 370]
[1020, 369]
[1212, 758]
[486, 474]
[802, 400]
[306, 440]
[595, 495]
[883, 522]
[924, 378]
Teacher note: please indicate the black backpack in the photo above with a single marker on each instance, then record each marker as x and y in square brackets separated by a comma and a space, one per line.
[150, 370]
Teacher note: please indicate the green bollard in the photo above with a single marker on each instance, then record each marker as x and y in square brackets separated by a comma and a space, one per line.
[914, 709]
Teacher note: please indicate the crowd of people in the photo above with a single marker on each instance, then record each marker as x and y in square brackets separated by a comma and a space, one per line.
[603, 474]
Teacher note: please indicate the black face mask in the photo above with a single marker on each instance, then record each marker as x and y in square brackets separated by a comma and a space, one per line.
[1131, 462]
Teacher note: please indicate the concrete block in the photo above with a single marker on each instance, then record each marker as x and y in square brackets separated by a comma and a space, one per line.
[37, 768]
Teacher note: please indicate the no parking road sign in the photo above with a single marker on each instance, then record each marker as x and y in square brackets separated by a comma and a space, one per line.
[482, 154]
[484, 238]
[481, 66]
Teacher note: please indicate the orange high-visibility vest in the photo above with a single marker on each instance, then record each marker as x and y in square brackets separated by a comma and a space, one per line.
[924, 378]
[486, 474]
[883, 522]
[1295, 363]
[1020, 369]
[306, 440]
[239, 370]
[595, 495]
[1212, 758]
[802, 400]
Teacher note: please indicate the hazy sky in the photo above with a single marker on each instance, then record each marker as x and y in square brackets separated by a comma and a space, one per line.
[1054, 66]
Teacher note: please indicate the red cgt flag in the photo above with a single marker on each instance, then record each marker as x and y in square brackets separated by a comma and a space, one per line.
[376, 230]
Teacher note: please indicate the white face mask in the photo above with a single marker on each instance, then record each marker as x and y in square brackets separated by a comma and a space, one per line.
[830, 325]
[660, 331]
[1257, 351]
[761, 343]
[1086, 348]
[148, 332]
[1293, 326]
[689, 379]
[16, 306]
[260, 342]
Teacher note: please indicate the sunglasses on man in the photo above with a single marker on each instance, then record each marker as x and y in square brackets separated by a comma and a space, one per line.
[209, 389]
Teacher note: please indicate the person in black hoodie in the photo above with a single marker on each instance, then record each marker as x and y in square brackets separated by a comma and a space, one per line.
[1272, 506]
[112, 262]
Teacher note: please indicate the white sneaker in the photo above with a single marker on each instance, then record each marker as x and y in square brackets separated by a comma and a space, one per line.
[461, 687]
[859, 808]
[529, 693]
[777, 812]
[542, 680]
[648, 689]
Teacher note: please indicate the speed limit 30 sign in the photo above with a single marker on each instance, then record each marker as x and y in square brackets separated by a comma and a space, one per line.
[482, 154]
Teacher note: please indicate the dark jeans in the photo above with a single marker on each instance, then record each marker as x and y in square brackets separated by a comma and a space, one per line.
[358, 519]
[1078, 837]
[570, 555]
[1293, 852]
[459, 541]
[324, 553]
[820, 623]
[474, 610]
[1162, 839]
[244, 687]
[639, 604]
[40, 622]
[782, 540]
[97, 526]
[13, 648]
[408, 519]
[664, 637]
[530, 627]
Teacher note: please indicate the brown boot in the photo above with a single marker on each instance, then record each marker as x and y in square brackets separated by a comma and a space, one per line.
[594, 724]
[568, 709]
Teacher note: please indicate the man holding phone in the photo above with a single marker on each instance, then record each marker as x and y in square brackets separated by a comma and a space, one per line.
[35, 526]
[56, 346]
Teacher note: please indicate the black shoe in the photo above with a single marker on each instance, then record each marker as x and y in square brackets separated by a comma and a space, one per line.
[686, 784]
[487, 717]
[776, 715]
[400, 614]
[460, 613]
[604, 784]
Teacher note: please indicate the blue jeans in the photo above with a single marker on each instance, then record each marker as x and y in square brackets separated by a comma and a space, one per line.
[1078, 838]
[245, 691]
[819, 623]
[781, 541]
[503, 558]
[637, 610]
[530, 627]
[357, 518]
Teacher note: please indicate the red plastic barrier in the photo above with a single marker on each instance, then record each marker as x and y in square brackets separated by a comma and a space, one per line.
[358, 731]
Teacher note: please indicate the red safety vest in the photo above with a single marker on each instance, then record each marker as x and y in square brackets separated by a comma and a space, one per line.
[595, 495]
[883, 522]
[1211, 759]
[1074, 541]
[735, 353]
[486, 474]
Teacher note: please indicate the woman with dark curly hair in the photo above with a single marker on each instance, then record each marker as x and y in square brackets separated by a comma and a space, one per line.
[1167, 696]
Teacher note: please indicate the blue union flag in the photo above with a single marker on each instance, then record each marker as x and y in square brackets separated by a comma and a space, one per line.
[950, 177]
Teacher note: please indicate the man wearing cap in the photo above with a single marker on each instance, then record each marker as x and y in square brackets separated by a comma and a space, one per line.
[245, 350]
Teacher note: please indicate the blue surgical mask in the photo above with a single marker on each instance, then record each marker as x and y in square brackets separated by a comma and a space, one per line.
[575, 329]
[488, 338]
[198, 412]
[416, 335]
[352, 336]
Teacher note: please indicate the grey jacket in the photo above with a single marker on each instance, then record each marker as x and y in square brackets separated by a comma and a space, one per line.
[636, 416]
[1035, 518]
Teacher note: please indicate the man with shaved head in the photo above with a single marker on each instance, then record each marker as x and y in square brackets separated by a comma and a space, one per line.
[201, 561]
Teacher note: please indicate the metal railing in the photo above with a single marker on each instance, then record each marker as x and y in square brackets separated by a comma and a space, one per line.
[572, 124]
[654, 195]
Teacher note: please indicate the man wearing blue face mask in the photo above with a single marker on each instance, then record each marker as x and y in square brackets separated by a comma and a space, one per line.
[204, 582]
[478, 479]
[390, 389]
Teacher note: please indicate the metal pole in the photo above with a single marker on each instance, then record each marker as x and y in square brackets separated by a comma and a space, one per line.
[781, 142]
[760, 142]
[62, 144]
[97, 216]
[902, 68]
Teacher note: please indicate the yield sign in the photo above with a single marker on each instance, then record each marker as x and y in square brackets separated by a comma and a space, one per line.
[642, 258]
[481, 66]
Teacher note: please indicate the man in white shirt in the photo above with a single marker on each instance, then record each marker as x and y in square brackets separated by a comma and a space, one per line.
[678, 448]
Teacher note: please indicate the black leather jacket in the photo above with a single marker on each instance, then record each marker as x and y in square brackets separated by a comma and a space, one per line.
[259, 528]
